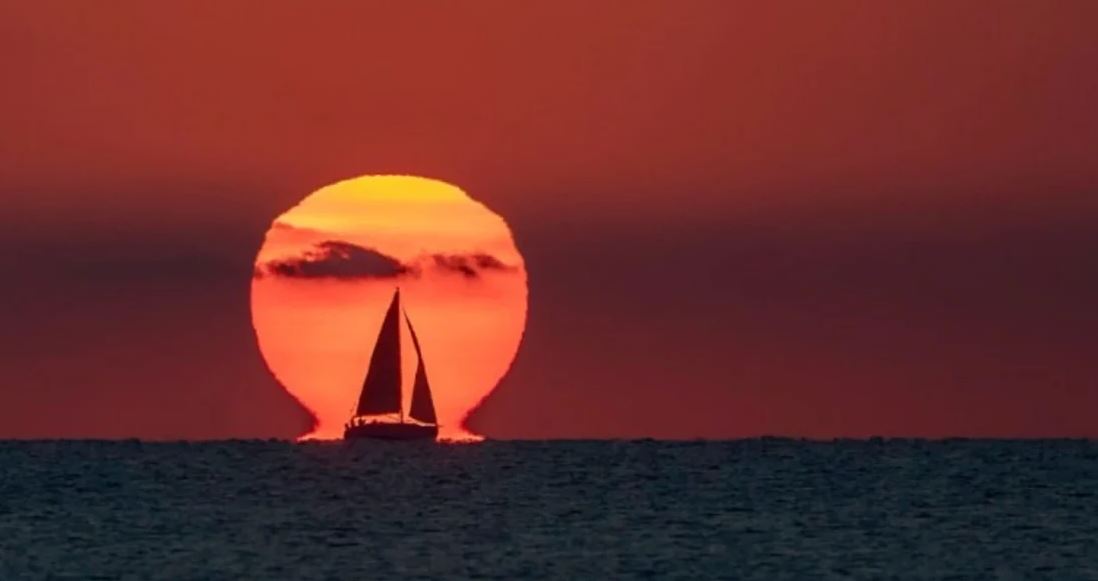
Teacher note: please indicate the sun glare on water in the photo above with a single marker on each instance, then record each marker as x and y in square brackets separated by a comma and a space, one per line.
[328, 268]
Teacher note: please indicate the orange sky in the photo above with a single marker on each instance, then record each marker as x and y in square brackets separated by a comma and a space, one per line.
[797, 218]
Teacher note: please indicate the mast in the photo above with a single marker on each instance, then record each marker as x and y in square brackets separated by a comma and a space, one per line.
[400, 394]
[381, 388]
[423, 405]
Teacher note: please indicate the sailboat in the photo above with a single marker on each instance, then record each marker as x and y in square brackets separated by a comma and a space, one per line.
[381, 396]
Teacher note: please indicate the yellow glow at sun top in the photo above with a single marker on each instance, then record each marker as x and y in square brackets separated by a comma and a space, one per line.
[394, 211]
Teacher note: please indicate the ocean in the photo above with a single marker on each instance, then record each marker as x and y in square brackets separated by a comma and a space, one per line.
[748, 509]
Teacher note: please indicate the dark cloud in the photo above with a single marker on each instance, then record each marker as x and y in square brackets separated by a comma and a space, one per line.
[338, 260]
[342, 260]
[468, 265]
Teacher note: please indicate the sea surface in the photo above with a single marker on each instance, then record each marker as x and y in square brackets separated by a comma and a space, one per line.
[750, 509]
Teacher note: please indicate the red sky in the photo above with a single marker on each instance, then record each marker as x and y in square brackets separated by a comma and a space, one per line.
[798, 218]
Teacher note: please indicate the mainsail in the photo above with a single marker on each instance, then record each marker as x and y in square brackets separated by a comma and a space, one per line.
[423, 407]
[381, 389]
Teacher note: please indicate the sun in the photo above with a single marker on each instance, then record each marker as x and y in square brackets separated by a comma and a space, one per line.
[328, 268]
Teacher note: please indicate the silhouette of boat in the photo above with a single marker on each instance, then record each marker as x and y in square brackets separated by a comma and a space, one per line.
[381, 395]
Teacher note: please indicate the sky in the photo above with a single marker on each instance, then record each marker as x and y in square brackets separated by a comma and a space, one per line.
[789, 218]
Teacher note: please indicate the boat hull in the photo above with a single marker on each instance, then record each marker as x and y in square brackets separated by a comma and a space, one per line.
[390, 431]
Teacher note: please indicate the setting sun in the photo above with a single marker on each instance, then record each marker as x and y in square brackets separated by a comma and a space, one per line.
[328, 267]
